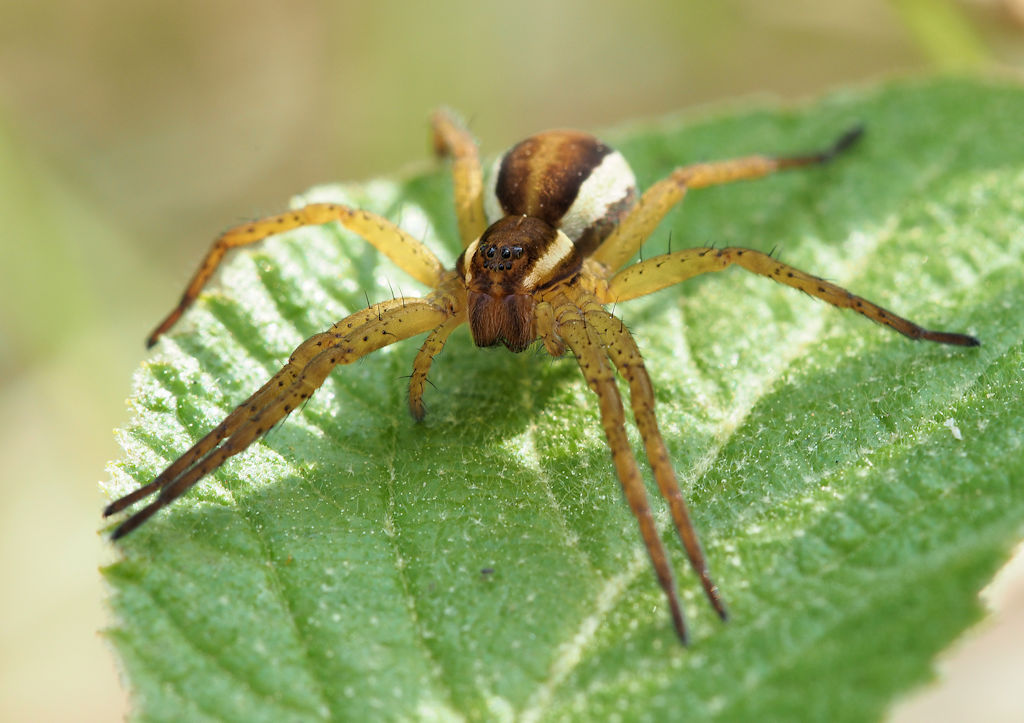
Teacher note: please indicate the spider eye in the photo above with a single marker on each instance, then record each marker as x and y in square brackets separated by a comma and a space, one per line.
[506, 253]
[517, 251]
[490, 252]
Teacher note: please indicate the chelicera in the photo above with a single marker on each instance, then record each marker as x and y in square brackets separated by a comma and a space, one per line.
[545, 243]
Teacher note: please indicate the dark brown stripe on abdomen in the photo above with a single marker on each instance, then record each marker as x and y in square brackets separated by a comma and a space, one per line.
[542, 175]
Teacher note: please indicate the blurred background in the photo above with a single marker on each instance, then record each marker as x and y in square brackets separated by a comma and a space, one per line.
[132, 133]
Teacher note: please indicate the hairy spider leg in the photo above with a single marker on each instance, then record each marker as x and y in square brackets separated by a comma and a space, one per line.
[374, 328]
[298, 359]
[432, 346]
[586, 344]
[451, 139]
[545, 316]
[625, 355]
[656, 273]
[659, 199]
[408, 253]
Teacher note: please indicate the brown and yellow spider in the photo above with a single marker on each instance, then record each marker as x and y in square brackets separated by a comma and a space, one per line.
[544, 245]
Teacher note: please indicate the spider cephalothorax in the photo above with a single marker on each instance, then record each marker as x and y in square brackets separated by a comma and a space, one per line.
[564, 219]
[500, 270]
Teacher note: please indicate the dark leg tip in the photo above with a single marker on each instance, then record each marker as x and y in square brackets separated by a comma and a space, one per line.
[129, 525]
[848, 139]
[679, 623]
[945, 337]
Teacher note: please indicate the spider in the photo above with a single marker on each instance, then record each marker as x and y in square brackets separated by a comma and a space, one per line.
[544, 245]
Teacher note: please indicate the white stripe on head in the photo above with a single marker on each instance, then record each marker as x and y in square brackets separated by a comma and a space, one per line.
[468, 256]
[560, 249]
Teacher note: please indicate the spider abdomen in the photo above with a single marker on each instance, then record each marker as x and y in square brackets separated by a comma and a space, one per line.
[568, 178]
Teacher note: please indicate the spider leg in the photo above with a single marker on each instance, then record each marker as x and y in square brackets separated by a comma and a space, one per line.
[348, 340]
[545, 314]
[407, 252]
[661, 271]
[660, 198]
[421, 365]
[623, 351]
[452, 139]
[586, 345]
[298, 359]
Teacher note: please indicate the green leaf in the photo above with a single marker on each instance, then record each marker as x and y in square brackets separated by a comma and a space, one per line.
[854, 490]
